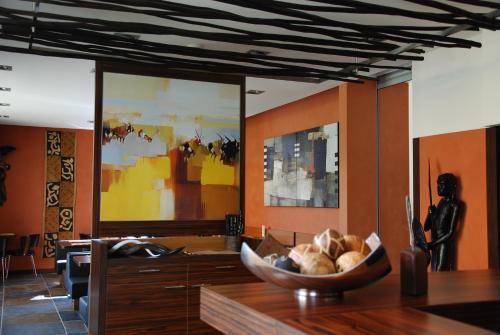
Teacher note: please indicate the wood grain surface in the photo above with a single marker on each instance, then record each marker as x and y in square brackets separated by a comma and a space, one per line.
[261, 308]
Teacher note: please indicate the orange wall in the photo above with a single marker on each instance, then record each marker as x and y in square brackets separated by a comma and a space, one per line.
[313, 111]
[23, 212]
[464, 155]
[354, 107]
[394, 170]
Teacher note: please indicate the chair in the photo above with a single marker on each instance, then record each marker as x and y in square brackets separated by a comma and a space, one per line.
[3, 255]
[27, 248]
[60, 257]
[76, 279]
[83, 310]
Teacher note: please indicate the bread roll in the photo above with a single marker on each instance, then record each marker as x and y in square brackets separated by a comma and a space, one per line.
[316, 264]
[349, 260]
[330, 242]
[299, 251]
[356, 243]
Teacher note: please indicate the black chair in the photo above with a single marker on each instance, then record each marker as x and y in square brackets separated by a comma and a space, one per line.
[27, 249]
[83, 310]
[4, 256]
[60, 257]
[76, 278]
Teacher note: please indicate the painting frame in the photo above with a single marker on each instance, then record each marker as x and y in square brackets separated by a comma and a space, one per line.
[157, 227]
[302, 168]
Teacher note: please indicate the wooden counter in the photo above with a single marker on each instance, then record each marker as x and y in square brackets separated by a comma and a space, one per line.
[262, 308]
[138, 295]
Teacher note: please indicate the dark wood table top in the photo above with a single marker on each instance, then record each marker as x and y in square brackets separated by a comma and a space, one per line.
[262, 308]
[73, 243]
[7, 235]
[82, 260]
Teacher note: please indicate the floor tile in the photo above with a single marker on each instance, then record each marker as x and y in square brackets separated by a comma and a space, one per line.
[75, 327]
[46, 328]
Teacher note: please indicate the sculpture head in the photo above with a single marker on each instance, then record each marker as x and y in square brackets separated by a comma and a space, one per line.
[447, 185]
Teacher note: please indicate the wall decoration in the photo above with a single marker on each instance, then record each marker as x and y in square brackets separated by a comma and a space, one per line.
[170, 149]
[302, 169]
[60, 162]
[4, 167]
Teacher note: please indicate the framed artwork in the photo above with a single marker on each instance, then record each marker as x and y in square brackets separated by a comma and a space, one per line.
[170, 149]
[302, 169]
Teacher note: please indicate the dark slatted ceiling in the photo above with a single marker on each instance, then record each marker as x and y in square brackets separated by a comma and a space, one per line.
[322, 47]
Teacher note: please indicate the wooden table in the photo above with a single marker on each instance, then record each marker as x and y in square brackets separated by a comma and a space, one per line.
[63, 244]
[81, 261]
[262, 308]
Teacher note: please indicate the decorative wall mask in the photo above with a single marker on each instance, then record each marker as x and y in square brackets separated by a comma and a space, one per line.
[4, 167]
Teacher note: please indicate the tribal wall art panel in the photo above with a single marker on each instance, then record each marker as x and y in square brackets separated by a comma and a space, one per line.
[170, 149]
[302, 169]
[60, 176]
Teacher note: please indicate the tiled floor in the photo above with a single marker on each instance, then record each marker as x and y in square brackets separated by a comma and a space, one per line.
[37, 306]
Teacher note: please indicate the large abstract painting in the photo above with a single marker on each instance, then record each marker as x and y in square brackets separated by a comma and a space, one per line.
[302, 169]
[170, 149]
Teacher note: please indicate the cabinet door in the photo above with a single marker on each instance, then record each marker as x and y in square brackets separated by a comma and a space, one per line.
[148, 303]
[210, 271]
[195, 324]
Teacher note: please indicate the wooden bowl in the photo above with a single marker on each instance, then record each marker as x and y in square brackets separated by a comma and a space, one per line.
[374, 267]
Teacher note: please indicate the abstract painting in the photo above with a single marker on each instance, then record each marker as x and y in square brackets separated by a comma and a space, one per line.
[170, 149]
[302, 169]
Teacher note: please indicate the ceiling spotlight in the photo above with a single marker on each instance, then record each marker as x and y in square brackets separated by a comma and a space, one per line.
[90, 121]
[5, 89]
[5, 67]
[128, 36]
[255, 52]
[255, 92]
[5, 116]
[4, 104]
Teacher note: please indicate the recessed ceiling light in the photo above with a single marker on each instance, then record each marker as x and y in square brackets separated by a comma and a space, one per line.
[90, 121]
[129, 36]
[255, 92]
[5, 89]
[5, 116]
[4, 104]
[256, 52]
[5, 67]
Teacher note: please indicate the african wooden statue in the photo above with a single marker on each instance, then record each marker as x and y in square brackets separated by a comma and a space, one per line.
[4, 167]
[442, 222]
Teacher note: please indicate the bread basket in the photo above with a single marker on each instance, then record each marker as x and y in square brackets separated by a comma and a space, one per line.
[375, 266]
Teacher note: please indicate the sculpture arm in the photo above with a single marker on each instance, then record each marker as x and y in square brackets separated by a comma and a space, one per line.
[454, 220]
[429, 218]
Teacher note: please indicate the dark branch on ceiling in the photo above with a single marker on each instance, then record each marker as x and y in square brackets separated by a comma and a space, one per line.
[306, 29]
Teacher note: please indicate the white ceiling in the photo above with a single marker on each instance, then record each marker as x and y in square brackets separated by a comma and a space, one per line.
[56, 92]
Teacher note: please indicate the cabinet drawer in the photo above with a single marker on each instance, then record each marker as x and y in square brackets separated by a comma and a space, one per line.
[148, 266]
[146, 302]
[219, 274]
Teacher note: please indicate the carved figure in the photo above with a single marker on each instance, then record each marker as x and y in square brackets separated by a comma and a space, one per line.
[442, 222]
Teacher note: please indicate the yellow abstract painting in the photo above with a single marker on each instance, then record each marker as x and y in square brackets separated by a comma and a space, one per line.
[170, 149]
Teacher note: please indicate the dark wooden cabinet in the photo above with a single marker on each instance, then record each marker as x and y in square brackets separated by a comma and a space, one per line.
[157, 296]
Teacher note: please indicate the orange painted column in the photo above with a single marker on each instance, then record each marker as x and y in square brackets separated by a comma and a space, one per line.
[394, 170]
[358, 159]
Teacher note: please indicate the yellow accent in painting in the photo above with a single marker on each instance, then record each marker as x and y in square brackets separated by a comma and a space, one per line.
[135, 195]
[215, 173]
